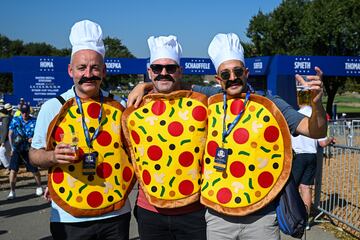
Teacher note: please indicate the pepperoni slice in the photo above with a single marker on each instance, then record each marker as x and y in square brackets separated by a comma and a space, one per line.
[237, 169]
[94, 199]
[154, 152]
[104, 170]
[58, 175]
[146, 177]
[57, 133]
[158, 107]
[271, 134]
[175, 129]
[186, 159]
[224, 195]
[236, 106]
[241, 135]
[211, 148]
[94, 110]
[127, 174]
[265, 179]
[199, 113]
[104, 138]
[186, 187]
[135, 137]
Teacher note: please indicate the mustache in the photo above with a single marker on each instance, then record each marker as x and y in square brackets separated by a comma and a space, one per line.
[236, 81]
[86, 79]
[167, 77]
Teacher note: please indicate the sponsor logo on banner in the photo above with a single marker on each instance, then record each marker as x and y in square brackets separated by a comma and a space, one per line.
[302, 65]
[352, 66]
[46, 64]
[113, 66]
[258, 66]
[197, 66]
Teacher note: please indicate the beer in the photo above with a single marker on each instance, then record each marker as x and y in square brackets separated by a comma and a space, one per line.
[303, 95]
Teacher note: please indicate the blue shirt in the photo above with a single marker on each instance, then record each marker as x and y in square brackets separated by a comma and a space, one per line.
[22, 131]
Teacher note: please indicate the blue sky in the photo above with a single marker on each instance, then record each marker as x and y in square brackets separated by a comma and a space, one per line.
[194, 22]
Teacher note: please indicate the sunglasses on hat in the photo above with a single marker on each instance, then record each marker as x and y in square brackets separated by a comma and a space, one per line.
[226, 74]
[170, 68]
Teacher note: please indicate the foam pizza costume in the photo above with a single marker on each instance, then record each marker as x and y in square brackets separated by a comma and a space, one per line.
[166, 139]
[258, 158]
[72, 186]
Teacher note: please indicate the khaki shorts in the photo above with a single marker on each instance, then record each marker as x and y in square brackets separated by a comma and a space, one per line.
[252, 227]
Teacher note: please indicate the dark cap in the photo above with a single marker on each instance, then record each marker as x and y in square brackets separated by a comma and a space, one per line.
[25, 108]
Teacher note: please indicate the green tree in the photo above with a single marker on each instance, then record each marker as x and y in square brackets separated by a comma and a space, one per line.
[304, 27]
[115, 49]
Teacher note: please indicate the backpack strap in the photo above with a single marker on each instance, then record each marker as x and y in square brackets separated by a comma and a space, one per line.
[61, 99]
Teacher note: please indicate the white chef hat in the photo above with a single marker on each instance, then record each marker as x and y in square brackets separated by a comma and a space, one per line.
[225, 47]
[164, 47]
[86, 35]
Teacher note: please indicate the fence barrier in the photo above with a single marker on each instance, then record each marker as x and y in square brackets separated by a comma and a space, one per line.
[337, 188]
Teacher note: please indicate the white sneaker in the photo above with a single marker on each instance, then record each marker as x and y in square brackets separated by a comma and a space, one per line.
[39, 191]
[11, 195]
[307, 228]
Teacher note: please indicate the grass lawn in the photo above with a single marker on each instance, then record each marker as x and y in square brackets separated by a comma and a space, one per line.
[346, 102]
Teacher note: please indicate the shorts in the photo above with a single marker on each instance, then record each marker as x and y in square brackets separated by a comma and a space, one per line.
[304, 168]
[19, 157]
[259, 227]
[104, 229]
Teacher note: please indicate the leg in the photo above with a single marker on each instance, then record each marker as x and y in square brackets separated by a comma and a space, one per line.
[259, 227]
[14, 168]
[72, 231]
[219, 226]
[12, 180]
[35, 171]
[37, 179]
[189, 226]
[116, 228]
[306, 195]
[152, 225]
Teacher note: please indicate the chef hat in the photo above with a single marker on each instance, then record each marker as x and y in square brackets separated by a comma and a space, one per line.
[164, 47]
[225, 47]
[86, 35]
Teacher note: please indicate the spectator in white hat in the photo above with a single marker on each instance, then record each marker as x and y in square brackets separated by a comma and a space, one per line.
[87, 70]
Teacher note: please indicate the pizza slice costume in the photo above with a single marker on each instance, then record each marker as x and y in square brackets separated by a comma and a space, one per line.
[258, 155]
[166, 137]
[71, 186]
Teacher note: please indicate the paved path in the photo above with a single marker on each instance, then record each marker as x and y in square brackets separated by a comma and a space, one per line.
[27, 217]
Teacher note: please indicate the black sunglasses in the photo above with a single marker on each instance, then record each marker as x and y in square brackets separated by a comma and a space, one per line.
[225, 75]
[170, 68]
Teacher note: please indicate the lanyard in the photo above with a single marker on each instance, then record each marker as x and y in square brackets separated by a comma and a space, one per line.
[236, 120]
[85, 128]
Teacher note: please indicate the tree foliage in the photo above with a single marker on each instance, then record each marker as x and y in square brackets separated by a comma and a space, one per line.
[304, 27]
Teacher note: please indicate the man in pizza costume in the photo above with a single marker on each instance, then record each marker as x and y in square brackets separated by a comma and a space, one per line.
[78, 137]
[166, 138]
[248, 155]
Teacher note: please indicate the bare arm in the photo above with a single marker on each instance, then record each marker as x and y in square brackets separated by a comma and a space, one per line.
[62, 154]
[327, 141]
[316, 125]
[136, 95]
[10, 138]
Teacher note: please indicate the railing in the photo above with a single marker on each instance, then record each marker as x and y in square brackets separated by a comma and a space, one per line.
[337, 189]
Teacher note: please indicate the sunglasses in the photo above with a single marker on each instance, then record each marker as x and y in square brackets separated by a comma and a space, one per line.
[170, 68]
[225, 75]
